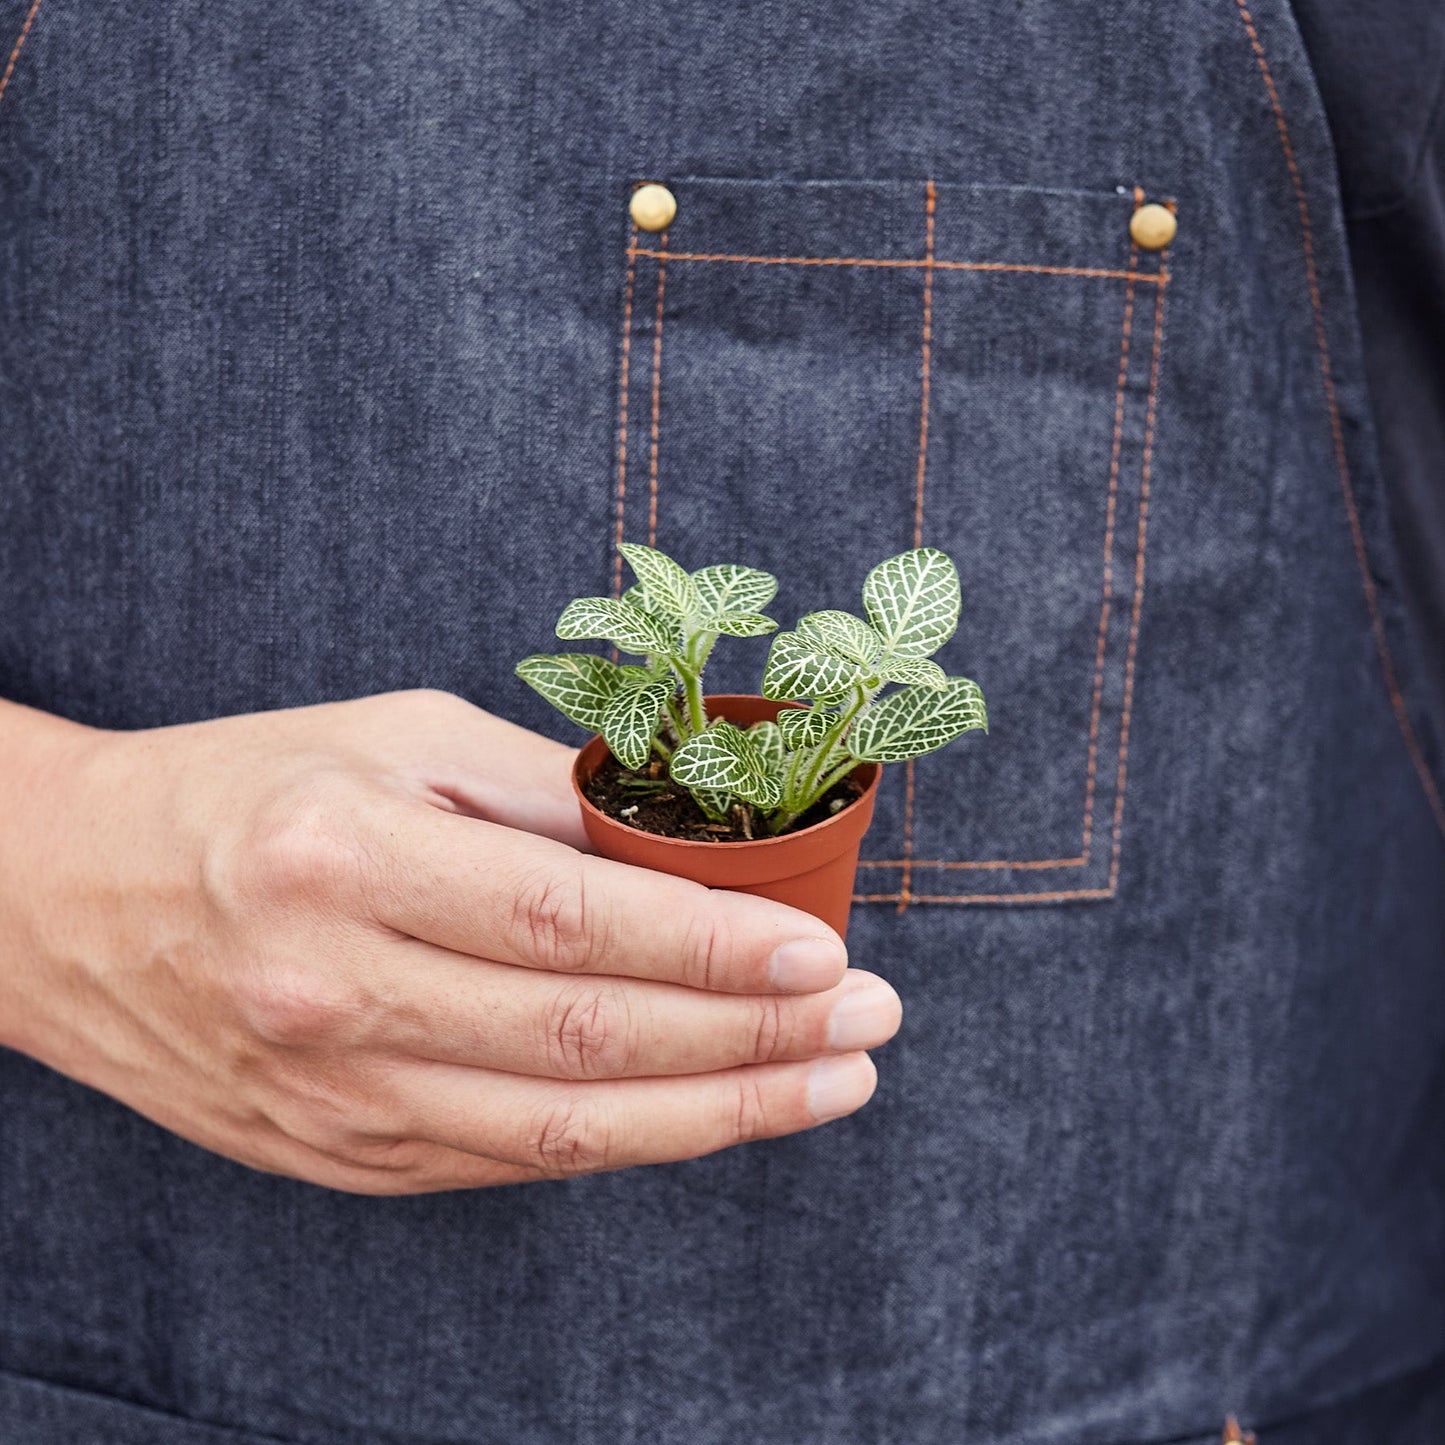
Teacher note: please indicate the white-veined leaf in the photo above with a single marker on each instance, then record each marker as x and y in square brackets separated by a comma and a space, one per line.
[914, 671]
[714, 803]
[736, 624]
[613, 620]
[916, 721]
[630, 721]
[724, 758]
[730, 588]
[577, 684]
[842, 634]
[804, 727]
[798, 668]
[769, 739]
[913, 601]
[637, 596]
[668, 588]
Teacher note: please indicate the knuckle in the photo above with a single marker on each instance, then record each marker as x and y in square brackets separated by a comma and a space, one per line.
[301, 846]
[298, 1008]
[551, 910]
[752, 1117]
[590, 1033]
[319, 1113]
[567, 1138]
[771, 1034]
[708, 952]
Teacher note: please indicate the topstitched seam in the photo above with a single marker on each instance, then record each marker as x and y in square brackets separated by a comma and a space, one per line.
[922, 469]
[19, 46]
[656, 396]
[1372, 601]
[1105, 606]
[623, 386]
[904, 263]
[1140, 552]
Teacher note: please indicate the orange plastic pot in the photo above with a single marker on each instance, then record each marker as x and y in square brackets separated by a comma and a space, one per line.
[811, 869]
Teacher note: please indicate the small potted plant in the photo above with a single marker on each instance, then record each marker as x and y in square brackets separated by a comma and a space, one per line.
[769, 794]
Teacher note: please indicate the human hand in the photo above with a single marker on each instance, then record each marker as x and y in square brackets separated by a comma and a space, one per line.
[357, 944]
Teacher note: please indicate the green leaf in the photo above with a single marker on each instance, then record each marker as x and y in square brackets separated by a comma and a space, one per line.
[577, 684]
[916, 721]
[798, 668]
[637, 596]
[730, 588]
[804, 727]
[913, 601]
[842, 634]
[769, 739]
[736, 624]
[915, 671]
[724, 758]
[668, 588]
[630, 722]
[714, 803]
[613, 620]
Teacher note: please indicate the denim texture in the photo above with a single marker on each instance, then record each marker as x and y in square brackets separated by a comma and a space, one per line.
[329, 363]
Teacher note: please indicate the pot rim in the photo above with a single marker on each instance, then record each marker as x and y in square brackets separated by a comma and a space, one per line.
[812, 831]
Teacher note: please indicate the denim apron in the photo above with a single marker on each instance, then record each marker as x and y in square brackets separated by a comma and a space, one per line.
[331, 362]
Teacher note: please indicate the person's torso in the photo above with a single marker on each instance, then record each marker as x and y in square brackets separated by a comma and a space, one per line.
[331, 363]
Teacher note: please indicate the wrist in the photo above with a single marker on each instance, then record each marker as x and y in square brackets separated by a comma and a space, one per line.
[42, 759]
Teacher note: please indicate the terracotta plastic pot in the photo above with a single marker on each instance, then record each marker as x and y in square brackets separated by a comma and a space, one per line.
[811, 869]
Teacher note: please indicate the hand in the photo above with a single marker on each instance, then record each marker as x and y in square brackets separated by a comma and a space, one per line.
[358, 944]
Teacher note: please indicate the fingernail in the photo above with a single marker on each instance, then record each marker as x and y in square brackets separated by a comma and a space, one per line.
[864, 1018]
[840, 1085]
[805, 965]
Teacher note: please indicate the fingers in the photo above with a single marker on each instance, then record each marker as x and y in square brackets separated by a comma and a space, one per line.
[498, 893]
[451, 1009]
[561, 1129]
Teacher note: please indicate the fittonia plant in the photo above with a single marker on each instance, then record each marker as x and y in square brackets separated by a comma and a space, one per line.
[834, 663]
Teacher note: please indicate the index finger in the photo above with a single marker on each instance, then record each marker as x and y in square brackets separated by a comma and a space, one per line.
[498, 893]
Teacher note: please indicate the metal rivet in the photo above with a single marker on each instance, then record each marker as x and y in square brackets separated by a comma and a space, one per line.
[652, 207]
[1153, 226]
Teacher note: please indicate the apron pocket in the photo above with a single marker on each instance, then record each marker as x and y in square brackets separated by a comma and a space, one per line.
[815, 374]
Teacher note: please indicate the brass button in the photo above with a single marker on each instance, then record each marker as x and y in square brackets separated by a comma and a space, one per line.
[653, 207]
[1153, 226]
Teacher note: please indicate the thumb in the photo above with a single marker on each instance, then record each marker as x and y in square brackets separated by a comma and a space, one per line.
[486, 767]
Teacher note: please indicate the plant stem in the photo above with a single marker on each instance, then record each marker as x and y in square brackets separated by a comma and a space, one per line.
[696, 712]
[679, 729]
[662, 748]
[810, 790]
[838, 774]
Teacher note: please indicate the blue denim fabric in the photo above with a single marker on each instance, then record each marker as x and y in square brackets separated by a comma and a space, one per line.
[329, 363]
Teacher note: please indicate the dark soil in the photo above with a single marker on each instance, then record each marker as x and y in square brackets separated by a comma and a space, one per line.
[673, 813]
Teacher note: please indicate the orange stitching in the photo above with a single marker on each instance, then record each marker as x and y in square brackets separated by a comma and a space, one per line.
[1141, 549]
[622, 420]
[19, 46]
[923, 263]
[1061, 897]
[927, 342]
[1106, 606]
[656, 397]
[918, 497]
[972, 863]
[1372, 601]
